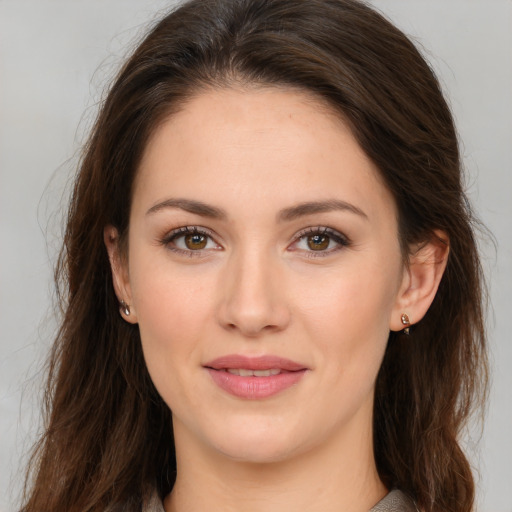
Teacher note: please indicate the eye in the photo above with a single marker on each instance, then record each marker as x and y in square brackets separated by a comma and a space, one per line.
[320, 240]
[190, 239]
[193, 242]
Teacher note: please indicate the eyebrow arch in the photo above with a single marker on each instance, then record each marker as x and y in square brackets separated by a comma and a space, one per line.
[191, 206]
[312, 207]
[288, 214]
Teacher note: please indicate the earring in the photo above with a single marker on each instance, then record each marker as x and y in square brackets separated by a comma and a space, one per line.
[406, 322]
[124, 308]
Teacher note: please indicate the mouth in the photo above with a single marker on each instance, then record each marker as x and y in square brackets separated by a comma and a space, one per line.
[238, 362]
[255, 378]
[244, 372]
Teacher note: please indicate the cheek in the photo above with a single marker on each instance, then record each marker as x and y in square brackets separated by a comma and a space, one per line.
[349, 315]
[356, 299]
[164, 296]
[172, 311]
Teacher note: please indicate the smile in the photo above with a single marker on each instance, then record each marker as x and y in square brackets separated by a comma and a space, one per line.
[254, 378]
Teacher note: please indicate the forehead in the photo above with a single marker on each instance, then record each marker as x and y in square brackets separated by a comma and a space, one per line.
[258, 144]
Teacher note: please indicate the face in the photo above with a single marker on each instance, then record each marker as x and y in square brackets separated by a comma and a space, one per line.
[263, 269]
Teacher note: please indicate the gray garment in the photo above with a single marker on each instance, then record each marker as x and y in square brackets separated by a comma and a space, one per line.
[154, 504]
[395, 501]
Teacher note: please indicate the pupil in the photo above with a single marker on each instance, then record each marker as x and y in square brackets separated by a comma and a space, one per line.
[195, 241]
[318, 242]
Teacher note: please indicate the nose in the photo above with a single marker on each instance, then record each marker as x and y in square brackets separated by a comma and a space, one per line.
[253, 296]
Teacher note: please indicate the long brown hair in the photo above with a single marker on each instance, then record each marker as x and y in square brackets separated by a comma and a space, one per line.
[108, 434]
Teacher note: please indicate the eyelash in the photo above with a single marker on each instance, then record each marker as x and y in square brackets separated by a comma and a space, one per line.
[175, 234]
[341, 240]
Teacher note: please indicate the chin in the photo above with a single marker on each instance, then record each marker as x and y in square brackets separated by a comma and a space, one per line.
[258, 445]
[261, 452]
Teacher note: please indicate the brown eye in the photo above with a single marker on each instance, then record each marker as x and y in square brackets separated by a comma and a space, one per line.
[189, 240]
[196, 241]
[318, 242]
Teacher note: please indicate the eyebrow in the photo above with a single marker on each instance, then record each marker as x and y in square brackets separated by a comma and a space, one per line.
[191, 206]
[288, 214]
[313, 207]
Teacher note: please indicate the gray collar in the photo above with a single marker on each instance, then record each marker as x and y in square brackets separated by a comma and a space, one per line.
[395, 501]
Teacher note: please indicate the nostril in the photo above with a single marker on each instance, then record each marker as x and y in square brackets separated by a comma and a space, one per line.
[253, 309]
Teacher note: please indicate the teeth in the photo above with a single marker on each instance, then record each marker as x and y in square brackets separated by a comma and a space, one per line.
[253, 373]
[266, 373]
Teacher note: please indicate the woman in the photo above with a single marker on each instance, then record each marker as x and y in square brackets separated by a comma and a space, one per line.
[272, 292]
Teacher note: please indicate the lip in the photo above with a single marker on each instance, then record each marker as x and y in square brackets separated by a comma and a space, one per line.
[255, 388]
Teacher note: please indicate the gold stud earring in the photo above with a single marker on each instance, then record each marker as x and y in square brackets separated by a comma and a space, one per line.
[406, 322]
[124, 308]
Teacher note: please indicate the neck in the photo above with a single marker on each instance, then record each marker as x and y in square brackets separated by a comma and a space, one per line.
[338, 476]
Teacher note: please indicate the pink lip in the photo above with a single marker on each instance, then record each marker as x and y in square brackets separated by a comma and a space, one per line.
[254, 388]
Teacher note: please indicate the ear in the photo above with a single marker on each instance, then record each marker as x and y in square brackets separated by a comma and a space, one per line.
[427, 263]
[120, 275]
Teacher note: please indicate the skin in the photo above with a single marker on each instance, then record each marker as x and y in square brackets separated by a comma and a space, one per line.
[261, 286]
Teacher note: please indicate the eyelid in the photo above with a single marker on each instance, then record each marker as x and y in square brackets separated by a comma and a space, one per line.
[173, 234]
[341, 239]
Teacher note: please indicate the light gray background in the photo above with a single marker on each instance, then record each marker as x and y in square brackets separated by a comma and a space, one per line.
[55, 57]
